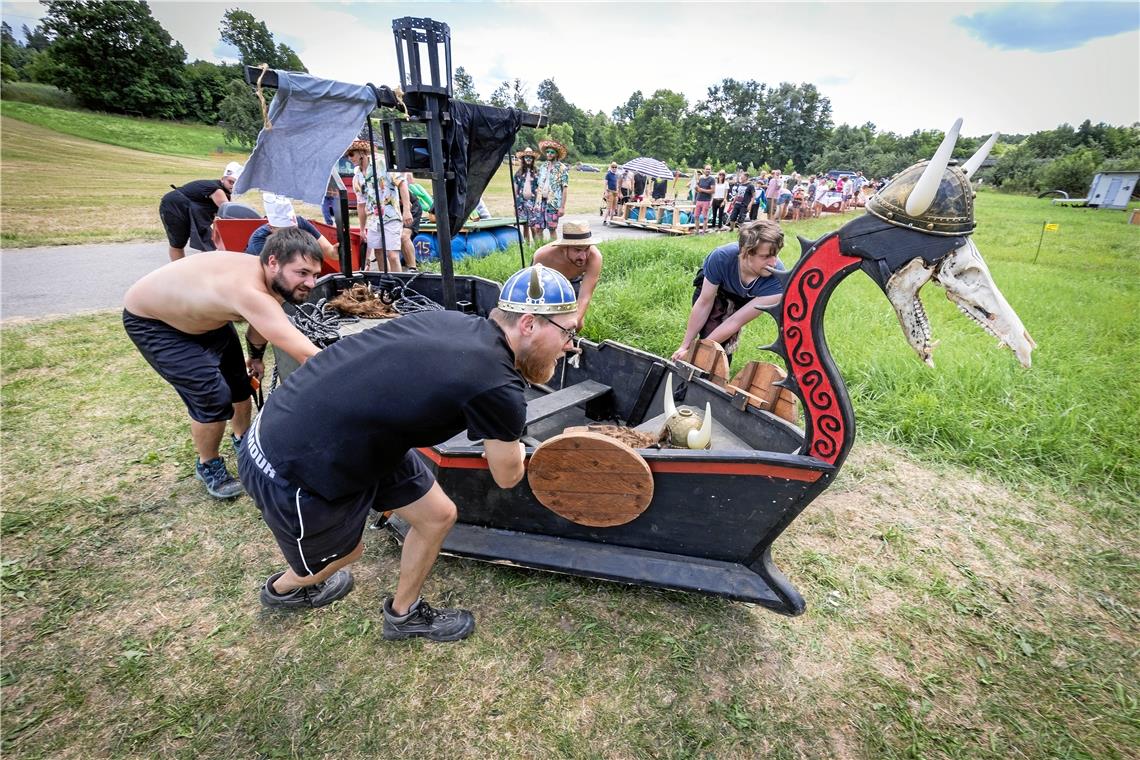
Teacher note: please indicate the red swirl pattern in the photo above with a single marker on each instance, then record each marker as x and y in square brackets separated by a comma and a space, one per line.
[826, 426]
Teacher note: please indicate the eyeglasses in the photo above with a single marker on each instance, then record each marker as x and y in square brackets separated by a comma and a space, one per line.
[571, 334]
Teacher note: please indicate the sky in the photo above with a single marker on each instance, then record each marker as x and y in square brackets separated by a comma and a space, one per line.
[1009, 67]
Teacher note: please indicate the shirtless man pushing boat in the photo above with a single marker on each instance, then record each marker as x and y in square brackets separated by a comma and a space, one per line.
[180, 317]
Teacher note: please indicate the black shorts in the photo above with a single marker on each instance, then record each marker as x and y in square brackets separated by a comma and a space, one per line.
[174, 211]
[312, 531]
[207, 370]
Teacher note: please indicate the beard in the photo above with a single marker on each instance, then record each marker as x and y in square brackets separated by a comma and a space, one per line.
[535, 369]
[296, 295]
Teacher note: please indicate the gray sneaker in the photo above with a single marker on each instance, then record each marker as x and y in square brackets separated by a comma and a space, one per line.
[432, 624]
[318, 595]
[219, 483]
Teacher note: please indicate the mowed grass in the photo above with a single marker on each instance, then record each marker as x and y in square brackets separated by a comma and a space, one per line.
[986, 609]
[83, 177]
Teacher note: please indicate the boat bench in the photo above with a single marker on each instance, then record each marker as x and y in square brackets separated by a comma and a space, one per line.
[549, 405]
[559, 401]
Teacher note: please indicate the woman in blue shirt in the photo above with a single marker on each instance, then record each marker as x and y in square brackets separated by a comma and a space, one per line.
[734, 282]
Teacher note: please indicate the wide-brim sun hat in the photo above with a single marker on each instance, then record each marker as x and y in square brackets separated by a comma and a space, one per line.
[575, 234]
[538, 290]
[359, 145]
[544, 144]
[527, 152]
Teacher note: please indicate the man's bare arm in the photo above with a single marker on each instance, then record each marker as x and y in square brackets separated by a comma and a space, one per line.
[741, 317]
[506, 461]
[268, 321]
[589, 282]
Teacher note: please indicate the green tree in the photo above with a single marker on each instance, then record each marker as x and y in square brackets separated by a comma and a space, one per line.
[115, 57]
[255, 43]
[240, 114]
[463, 85]
[1073, 172]
[207, 85]
[1016, 169]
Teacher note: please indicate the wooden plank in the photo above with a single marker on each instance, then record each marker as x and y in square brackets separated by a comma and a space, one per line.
[709, 356]
[553, 403]
[758, 379]
[590, 479]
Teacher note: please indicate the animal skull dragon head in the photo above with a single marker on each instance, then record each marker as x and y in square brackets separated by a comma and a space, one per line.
[916, 231]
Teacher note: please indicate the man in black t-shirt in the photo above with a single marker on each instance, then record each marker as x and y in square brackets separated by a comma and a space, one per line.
[187, 212]
[316, 462]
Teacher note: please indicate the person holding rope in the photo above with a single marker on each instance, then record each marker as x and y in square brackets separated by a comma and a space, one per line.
[316, 463]
[180, 318]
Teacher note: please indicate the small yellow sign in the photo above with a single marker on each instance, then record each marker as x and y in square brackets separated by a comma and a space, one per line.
[1052, 227]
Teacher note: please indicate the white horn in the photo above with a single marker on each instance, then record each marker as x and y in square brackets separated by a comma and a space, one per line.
[927, 186]
[700, 439]
[670, 407]
[976, 160]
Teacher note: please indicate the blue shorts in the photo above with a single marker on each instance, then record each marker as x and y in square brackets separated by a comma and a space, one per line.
[207, 370]
[311, 530]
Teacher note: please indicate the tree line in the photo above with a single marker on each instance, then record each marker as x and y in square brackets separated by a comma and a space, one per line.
[116, 57]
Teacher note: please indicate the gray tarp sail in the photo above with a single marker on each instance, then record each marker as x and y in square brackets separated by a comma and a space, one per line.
[314, 120]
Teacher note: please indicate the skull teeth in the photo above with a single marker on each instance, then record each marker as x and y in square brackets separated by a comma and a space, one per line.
[980, 323]
[923, 322]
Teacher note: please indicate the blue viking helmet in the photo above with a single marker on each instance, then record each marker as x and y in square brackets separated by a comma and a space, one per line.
[538, 290]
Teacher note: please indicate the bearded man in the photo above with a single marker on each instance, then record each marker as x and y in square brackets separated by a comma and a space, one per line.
[553, 180]
[576, 257]
[316, 463]
[180, 317]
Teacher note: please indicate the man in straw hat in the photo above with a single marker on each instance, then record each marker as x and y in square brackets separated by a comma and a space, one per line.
[576, 257]
[316, 475]
[526, 191]
[188, 212]
[392, 208]
[553, 179]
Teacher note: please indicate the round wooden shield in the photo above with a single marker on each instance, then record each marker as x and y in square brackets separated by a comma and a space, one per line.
[590, 479]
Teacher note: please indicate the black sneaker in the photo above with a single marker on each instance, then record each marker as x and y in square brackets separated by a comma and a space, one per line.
[432, 624]
[219, 483]
[318, 595]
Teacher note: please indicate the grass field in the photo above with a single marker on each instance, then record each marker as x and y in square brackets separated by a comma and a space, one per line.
[982, 609]
[63, 184]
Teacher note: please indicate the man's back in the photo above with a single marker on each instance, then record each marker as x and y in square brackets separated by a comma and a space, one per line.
[360, 404]
[196, 294]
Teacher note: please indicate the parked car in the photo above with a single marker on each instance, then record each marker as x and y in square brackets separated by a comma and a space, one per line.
[344, 169]
[587, 168]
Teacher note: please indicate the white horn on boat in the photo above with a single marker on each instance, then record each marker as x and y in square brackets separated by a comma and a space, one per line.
[670, 407]
[700, 439]
[976, 160]
[927, 186]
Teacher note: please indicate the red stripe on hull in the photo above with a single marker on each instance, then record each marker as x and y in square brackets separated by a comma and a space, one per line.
[755, 469]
